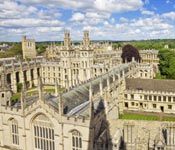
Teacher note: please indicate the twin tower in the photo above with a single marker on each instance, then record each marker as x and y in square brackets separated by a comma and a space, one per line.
[29, 46]
[67, 40]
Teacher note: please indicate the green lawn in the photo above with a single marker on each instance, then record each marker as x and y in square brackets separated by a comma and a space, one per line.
[145, 117]
[17, 96]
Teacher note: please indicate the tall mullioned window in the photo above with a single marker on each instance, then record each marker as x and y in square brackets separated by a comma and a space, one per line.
[76, 140]
[14, 132]
[43, 134]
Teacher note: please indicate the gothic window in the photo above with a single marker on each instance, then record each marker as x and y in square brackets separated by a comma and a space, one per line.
[145, 97]
[14, 132]
[76, 140]
[2, 95]
[43, 134]
[169, 99]
[150, 97]
[164, 98]
[132, 96]
[155, 98]
[173, 99]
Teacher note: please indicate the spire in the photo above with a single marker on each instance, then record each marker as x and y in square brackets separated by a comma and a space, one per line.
[108, 83]
[101, 87]
[56, 87]
[40, 89]
[113, 76]
[91, 109]
[23, 97]
[60, 103]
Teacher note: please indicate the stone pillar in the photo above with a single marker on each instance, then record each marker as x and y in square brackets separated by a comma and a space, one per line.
[108, 83]
[1, 130]
[35, 77]
[101, 87]
[13, 82]
[172, 142]
[174, 135]
[123, 74]
[118, 77]
[29, 78]
[21, 76]
[125, 134]
[113, 77]
[168, 136]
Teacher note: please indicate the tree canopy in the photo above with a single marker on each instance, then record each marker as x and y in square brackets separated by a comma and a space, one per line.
[167, 64]
[128, 52]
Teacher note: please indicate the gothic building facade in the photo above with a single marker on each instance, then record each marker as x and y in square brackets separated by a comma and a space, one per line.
[86, 115]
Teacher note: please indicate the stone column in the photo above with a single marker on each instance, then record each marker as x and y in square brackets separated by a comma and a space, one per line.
[101, 87]
[172, 141]
[168, 136]
[13, 82]
[125, 134]
[118, 77]
[29, 79]
[173, 136]
[108, 83]
[1, 131]
[21, 76]
[35, 77]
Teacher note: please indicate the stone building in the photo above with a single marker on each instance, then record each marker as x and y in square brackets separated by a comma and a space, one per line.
[71, 120]
[150, 95]
[28, 48]
[86, 115]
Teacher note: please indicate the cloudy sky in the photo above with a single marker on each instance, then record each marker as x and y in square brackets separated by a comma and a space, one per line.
[46, 20]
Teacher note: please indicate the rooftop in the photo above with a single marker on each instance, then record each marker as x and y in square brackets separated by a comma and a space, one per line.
[150, 85]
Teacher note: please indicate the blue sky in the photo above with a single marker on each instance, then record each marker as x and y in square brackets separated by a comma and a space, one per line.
[46, 20]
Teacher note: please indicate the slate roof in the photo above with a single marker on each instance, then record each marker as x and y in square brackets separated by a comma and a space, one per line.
[150, 84]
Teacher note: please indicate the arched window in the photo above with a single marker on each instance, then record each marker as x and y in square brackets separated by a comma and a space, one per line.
[76, 140]
[43, 133]
[14, 132]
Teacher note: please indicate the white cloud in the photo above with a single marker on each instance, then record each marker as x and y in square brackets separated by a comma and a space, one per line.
[43, 20]
[10, 9]
[147, 12]
[77, 17]
[97, 5]
[123, 19]
[97, 15]
[169, 15]
[118, 5]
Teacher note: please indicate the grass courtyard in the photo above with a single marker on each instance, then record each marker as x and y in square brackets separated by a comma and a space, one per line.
[47, 89]
[156, 117]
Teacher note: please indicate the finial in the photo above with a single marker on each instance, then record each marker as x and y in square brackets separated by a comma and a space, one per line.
[56, 87]
[91, 103]
[23, 97]
[40, 89]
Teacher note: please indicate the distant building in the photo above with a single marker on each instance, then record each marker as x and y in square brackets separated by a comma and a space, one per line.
[28, 48]
[4, 47]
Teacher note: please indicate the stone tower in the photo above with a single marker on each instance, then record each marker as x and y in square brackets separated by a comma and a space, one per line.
[67, 41]
[28, 48]
[86, 41]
